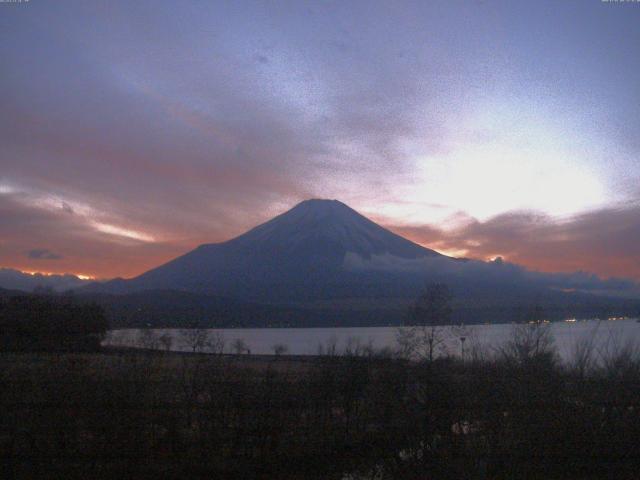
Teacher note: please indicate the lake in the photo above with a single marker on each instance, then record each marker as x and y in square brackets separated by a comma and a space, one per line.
[607, 335]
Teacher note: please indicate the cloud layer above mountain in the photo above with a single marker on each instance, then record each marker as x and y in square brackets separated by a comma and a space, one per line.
[604, 240]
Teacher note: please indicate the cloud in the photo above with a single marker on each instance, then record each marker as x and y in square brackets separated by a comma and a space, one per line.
[149, 152]
[497, 274]
[43, 254]
[67, 208]
[603, 241]
[25, 227]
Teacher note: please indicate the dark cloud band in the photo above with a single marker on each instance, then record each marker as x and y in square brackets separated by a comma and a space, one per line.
[43, 254]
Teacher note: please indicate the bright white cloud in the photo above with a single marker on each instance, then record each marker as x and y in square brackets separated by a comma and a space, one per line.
[504, 157]
[82, 212]
[7, 189]
[487, 180]
[122, 232]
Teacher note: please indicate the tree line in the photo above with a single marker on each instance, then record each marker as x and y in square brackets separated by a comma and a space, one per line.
[50, 323]
[359, 414]
[514, 412]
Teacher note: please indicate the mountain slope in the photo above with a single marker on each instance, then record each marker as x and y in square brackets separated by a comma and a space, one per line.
[298, 255]
[325, 226]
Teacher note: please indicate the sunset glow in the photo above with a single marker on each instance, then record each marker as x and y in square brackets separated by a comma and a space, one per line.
[320, 239]
[49, 274]
[506, 143]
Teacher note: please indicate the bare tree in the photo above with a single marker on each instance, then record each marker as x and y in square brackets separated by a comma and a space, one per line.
[279, 349]
[406, 340]
[425, 334]
[166, 341]
[239, 346]
[530, 340]
[617, 354]
[147, 338]
[216, 342]
[584, 360]
[331, 348]
[356, 348]
[195, 338]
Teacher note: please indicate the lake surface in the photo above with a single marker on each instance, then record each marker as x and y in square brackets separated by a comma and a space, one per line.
[606, 335]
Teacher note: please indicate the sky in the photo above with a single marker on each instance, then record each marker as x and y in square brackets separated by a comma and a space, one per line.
[133, 131]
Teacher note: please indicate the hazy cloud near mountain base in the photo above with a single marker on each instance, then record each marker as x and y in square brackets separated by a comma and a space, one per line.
[603, 241]
[475, 272]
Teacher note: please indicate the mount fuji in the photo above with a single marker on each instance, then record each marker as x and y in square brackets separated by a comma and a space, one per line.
[299, 255]
[332, 265]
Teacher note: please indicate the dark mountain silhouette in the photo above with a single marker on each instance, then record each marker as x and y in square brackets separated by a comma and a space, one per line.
[299, 255]
[322, 263]
[15, 279]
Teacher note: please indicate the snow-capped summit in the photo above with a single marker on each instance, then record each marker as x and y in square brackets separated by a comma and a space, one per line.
[318, 224]
[306, 245]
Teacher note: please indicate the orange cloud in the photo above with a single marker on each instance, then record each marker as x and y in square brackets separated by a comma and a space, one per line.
[603, 241]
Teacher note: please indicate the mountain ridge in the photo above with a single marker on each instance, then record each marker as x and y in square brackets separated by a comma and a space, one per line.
[337, 222]
[304, 245]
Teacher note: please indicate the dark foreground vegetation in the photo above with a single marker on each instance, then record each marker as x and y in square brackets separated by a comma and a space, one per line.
[514, 415]
[50, 323]
[70, 411]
